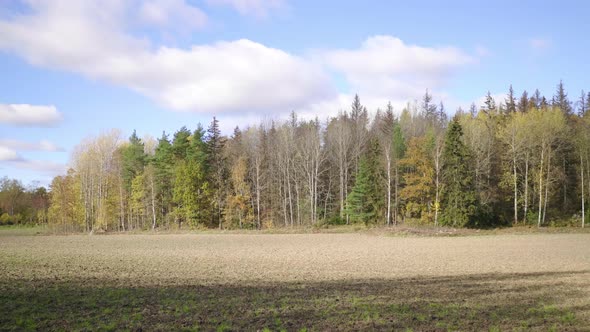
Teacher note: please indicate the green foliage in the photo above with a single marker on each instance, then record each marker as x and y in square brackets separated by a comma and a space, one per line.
[458, 195]
[366, 199]
[192, 193]
[133, 159]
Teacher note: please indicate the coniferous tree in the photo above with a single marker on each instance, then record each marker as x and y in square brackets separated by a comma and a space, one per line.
[428, 107]
[560, 100]
[523, 104]
[181, 143]
[366, 200]
[163, 162]
[490, 104]
[215, 144]
[458, 196]
[134, 159]
[510, 101]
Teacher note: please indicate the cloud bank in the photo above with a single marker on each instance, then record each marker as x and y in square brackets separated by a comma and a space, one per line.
[223, 77]
[29, 115]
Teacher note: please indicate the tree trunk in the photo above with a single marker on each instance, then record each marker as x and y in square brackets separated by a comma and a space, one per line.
[526, 188]
[515, 190]
[387, 155]
[547, 184]
[153, 203]
[582, 174]
[540, 188]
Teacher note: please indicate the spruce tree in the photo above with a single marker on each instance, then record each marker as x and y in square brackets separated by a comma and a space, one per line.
[523, 103]
[134, 160]
[560, 100]
[510, 101]
[490, 104]
[217, 173]
[366, 199]
[180, 143]
[458, 201]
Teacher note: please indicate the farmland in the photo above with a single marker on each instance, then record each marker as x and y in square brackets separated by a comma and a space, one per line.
[295, 282]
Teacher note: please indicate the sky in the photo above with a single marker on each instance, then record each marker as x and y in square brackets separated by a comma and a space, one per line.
[74, 69]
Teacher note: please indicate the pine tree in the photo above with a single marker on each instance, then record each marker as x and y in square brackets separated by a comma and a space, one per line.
[458, 201]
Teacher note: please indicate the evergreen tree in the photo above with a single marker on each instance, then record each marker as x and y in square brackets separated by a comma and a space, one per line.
[357, 108]
[523, 103]
[428, 107]
[442, 114]
[490, 104]
[458, 195]
[581, 104]
[163, 162]
[134, 160]
[217, 173]
[192, 194]
[560, 100]
[366, 199]
[181, 143]
[510, 101]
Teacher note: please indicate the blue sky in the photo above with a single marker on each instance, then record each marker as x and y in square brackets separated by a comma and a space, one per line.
[73, 69]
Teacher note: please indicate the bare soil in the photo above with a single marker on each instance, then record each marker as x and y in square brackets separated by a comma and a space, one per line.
[295, 281]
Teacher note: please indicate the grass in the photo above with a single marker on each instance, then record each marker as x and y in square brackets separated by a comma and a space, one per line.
[409, 230]
[494, 302]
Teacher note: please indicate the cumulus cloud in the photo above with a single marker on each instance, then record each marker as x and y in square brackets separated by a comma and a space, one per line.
[386, 69]
[258, 8]
[7, 154]
[29, 115]
[220, 77]
[386, 66]
[43, 145]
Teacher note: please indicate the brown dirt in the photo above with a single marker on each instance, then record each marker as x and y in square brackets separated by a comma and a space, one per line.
[497, 279]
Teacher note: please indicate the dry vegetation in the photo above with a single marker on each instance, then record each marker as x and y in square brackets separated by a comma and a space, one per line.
[295, 281]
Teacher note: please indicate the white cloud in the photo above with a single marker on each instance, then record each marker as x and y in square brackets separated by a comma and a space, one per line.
[29, 115]
[19, 145]
[386, 66]
[172, 13]
[7, 154]
[220, 77]
[540, 43]
[258, 8]
[385, 69]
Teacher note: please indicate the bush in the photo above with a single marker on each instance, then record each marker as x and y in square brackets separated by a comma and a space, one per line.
[5, 219]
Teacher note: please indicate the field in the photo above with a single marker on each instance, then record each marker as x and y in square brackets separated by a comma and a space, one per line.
[294, 282]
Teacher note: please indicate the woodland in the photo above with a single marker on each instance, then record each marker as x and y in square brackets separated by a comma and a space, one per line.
[523, 160]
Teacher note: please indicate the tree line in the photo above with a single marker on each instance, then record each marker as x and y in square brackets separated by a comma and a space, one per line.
[521, 160]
